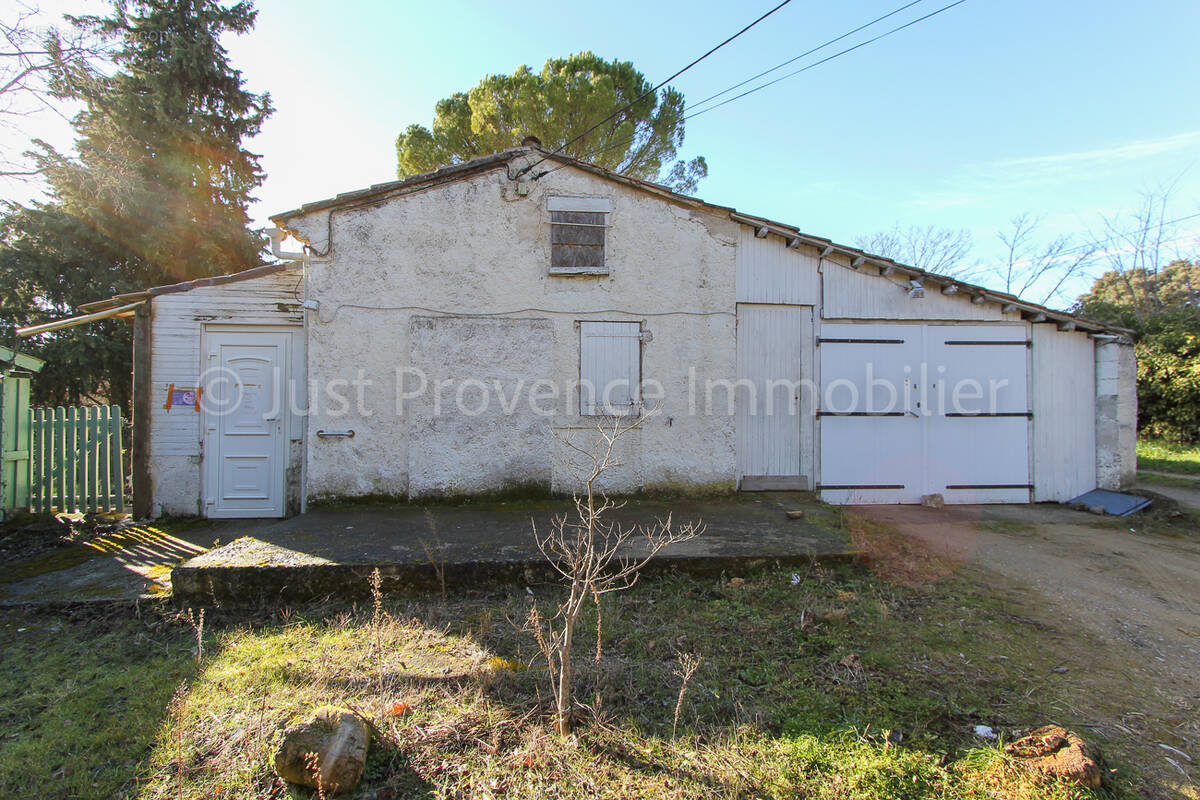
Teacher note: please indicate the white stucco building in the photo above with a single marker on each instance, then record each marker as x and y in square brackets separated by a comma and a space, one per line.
[443, 334]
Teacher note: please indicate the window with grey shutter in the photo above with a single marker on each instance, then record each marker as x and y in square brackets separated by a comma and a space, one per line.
[610, 368]
[578, 229]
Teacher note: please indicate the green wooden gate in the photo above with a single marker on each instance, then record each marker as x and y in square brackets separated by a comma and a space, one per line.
[15, 369]
[76, 459]
[14, 444]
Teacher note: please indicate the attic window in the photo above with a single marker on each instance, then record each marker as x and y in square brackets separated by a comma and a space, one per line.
[578, 228]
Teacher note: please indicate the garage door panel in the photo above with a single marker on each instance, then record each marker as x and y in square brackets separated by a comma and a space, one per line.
[868, 368]
[871, 459]
[978, 452]
[977, 368]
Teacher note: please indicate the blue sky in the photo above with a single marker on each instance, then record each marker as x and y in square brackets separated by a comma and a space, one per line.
[1066, 110]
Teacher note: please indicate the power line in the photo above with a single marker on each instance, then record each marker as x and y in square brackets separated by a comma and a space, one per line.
[654, 89]
[805, 53]
[626, 142]
[872, 40]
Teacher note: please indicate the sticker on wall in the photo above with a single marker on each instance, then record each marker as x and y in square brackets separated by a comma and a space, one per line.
[184, 396]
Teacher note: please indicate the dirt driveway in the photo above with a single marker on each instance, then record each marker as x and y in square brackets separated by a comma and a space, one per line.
[1132, 597]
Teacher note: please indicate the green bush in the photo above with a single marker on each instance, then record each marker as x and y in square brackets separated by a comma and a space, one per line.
[1169, 385]
[1162, 308]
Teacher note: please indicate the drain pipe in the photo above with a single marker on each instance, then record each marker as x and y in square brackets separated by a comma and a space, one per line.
[277, 236]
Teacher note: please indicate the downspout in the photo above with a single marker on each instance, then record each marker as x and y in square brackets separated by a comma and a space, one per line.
[277, 235]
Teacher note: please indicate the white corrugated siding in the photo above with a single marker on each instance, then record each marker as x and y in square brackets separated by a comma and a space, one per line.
[769, 272]
[175, 358]
[177, 330]
[864, 294]
[1064, 414]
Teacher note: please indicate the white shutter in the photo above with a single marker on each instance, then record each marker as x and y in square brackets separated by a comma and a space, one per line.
[610, 369]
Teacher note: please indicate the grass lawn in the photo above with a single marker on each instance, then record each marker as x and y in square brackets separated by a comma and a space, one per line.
[1166, 457]
[832, 684]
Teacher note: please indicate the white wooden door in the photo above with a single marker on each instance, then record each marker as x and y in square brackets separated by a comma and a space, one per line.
[979, 420]
[773, 346]
[244, 437]
[910, 409]
[872, 446]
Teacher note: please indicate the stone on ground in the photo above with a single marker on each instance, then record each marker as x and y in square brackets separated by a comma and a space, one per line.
[334, 741]
[1058, 752]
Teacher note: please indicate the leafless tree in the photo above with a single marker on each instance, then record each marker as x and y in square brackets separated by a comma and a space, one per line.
[593, 554]
[1134, 247]
[941, 250]
[1145, 238]
[1041, 269]
[35, 53]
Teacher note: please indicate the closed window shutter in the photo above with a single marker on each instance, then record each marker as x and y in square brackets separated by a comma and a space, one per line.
[610, 368]
[577, 232]
[576, 240]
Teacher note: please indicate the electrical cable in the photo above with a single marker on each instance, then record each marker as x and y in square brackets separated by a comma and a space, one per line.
[629, 141]
[872, 40]
[654, 89]
[802, 55]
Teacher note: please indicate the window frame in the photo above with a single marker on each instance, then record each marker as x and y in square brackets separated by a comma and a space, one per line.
[580, 204]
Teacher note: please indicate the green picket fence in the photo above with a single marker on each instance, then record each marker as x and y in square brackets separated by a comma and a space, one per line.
[76, 459]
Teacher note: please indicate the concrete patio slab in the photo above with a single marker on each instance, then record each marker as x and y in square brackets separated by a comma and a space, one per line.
[333, 552]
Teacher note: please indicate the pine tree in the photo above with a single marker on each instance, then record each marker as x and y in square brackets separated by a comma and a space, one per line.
[557, 104]
[161, 168]
[156, 192]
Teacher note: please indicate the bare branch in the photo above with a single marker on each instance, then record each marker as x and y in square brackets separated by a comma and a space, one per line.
[593, 554]
[944, 251]
[1038, 268]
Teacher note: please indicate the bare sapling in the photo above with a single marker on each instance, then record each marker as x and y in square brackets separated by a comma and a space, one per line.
[376, 584]
[593, 554]
[438, 564]
[197, 623]
[685, 667]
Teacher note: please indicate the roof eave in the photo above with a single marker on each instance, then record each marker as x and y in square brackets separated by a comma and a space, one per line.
[484, 163]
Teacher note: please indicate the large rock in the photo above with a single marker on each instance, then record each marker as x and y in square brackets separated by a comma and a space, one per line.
[1056, 751]
[337, 739]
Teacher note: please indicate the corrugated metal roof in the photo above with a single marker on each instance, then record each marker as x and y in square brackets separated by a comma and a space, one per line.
[184, 286]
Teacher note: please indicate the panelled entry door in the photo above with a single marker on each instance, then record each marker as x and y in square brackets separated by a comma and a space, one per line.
[909, 410]
[244, 436]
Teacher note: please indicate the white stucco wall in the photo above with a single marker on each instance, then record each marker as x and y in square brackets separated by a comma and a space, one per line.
[1116, 415]
[452, 282]
[480, 247]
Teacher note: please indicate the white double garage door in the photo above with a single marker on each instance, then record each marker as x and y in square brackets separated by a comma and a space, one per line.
[908, 410]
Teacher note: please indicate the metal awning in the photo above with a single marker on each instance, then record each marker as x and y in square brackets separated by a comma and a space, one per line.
[71, 322]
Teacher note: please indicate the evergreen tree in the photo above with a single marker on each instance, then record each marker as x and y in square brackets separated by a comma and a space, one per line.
[567, 97]
[156, 192]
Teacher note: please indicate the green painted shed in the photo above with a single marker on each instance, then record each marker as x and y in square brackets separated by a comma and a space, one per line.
[15, 433]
